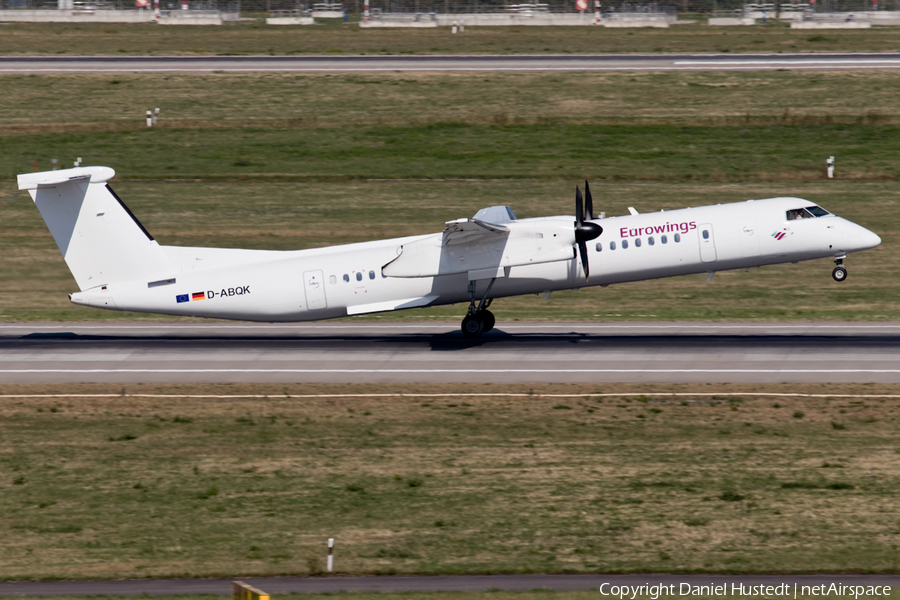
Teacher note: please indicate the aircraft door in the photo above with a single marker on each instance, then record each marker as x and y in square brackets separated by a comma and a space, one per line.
[314, 285]
[707, 243]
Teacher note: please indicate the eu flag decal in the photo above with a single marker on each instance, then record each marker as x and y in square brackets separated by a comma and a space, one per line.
[181, 298]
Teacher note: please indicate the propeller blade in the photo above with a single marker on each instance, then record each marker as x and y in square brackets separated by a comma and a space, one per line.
[582, 250]
[579, 208]
[588, 202]
[585, 231]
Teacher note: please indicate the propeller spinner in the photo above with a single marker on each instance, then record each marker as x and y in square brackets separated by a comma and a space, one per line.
[585, 229]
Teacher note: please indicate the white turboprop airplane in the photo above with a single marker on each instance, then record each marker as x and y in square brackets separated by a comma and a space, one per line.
[119, 266]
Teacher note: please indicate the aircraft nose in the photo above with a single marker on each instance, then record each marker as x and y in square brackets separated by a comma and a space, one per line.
[860, 238]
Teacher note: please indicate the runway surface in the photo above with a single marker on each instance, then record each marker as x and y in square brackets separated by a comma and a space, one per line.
[464, 583]
[398, 352]
[335, 64]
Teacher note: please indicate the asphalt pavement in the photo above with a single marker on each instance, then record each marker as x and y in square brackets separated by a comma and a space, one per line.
[438, 353]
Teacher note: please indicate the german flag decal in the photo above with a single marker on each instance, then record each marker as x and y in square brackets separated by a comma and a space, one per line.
[198, 296]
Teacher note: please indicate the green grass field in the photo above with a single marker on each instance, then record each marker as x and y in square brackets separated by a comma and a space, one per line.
[461, 151]
[43, 104]
[288, 162]
[154, 487]
[130, 486]
[238, 38]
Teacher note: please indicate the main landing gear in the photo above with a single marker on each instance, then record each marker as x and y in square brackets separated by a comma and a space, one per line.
[840, 271]
[478, 319]
[473, 325]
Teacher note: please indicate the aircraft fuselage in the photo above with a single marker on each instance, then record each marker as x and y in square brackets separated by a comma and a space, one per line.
[324, 283]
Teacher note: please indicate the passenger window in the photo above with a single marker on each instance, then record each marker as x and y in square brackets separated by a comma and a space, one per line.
[705, 234]
[599, 247]
[359, 276]
[650, 241]
[612, 245]
[637, 242]
[346, 278]
[332, 279]
[371, 274]
[664, 240]
[624, 244]
[677, 237]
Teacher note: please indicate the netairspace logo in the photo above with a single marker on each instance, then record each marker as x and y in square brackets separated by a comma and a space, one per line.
[655, 592]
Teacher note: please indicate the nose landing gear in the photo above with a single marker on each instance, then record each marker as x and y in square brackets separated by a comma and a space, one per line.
[840, 271]
[478, 320]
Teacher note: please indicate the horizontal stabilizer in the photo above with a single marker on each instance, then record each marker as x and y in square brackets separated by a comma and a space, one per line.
[33, 181]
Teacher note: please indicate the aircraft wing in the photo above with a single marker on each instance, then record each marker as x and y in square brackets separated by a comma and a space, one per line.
[481, 249]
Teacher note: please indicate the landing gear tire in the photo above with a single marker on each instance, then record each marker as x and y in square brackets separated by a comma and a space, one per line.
[488, 319]
[839, 273]
[472, 326]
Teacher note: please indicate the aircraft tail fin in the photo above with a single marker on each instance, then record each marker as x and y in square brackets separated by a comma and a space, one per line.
[101, 241]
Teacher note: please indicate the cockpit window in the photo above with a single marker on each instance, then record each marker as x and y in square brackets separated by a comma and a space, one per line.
[817, 211]
[806, 213]
[798, 213]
